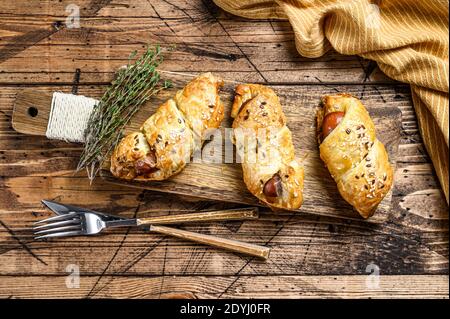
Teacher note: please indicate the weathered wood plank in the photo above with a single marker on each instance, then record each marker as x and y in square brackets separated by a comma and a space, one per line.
[140, 257]
[413, 241]
[88, 8]
[389, 287]
[301, 244]
[102, 44]
[227, 60]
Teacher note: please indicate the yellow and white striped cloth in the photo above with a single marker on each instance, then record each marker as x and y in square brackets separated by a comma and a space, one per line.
[407, 38]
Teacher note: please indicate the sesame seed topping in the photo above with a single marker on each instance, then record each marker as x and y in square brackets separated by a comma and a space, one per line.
[369, 165]
[348, 131]
[356, 176]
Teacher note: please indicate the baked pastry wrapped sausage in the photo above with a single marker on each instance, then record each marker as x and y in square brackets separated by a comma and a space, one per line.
[199, 101]
[167, 139]
[264, 143]
[355, 158]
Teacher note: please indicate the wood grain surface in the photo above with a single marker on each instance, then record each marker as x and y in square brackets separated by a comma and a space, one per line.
[223, 181]
[311, 256]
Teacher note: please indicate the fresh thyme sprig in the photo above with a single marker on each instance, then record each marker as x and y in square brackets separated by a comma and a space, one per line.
[132, 87]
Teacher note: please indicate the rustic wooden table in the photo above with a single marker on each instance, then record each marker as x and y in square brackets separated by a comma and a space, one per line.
[311, 256]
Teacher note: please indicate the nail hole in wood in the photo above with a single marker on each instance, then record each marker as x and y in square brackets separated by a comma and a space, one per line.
[32, 111]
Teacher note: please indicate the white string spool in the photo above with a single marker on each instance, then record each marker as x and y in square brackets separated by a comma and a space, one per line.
[69, 115]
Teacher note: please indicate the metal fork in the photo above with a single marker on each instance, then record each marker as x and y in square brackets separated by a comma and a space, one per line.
[87, 223]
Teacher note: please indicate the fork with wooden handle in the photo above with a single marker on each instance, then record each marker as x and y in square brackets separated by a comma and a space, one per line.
[90, 223]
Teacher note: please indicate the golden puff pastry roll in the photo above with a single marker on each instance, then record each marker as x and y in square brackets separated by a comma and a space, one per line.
[355, 158]
[133, 157]
[162, 148]
[200, 103]
[170, 138]
[264, 144]
[165, 142]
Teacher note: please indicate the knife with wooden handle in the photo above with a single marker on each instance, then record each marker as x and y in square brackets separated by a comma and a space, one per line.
[228, 244]
[218, 215]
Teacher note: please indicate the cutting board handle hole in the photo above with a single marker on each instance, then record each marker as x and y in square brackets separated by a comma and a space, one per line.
[33, 111]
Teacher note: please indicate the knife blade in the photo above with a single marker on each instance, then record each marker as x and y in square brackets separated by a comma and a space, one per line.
[61, 209]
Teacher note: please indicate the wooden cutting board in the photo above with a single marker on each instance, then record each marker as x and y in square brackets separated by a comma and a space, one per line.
[224, 181]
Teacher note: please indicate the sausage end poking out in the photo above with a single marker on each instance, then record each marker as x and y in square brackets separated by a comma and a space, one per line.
[273, 188]
[330, 122]
[146, 165]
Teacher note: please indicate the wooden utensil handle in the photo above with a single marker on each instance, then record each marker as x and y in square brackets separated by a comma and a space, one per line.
[229, 244]
[230, 214]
